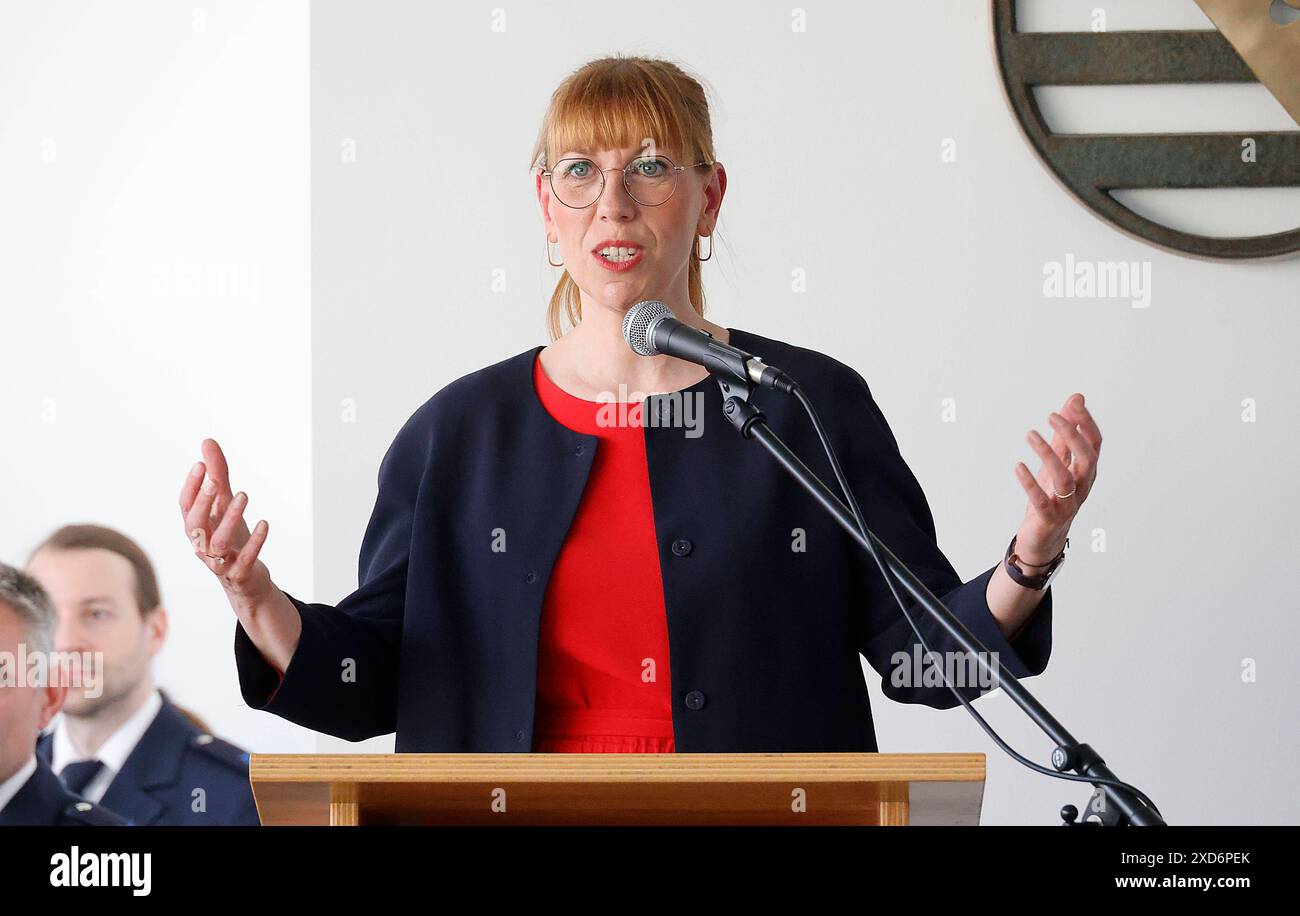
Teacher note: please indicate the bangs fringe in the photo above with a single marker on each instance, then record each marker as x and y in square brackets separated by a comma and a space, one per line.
[627, 102]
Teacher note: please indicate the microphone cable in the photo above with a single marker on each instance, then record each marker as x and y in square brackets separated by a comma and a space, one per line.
[891, 582]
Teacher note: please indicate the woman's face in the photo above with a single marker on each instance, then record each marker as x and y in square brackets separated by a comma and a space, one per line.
[661, 236]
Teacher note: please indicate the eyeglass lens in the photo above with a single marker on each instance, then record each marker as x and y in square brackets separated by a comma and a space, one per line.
[650, 180]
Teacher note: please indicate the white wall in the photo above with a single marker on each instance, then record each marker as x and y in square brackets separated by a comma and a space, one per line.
[155, 287]
[925, 275]
[174, 145]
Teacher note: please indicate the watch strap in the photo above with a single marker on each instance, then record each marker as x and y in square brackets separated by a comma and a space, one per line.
[1037, 580]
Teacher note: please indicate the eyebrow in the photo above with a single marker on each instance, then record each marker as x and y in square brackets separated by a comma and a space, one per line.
[97, 598]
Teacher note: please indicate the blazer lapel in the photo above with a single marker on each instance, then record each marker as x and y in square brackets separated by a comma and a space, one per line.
[154, 764]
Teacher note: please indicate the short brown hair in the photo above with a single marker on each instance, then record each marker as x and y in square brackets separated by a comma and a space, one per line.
[86, 536]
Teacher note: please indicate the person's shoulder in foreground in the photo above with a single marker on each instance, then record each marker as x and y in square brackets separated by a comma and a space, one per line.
[44, 801]
[179, 775]
[183, 775]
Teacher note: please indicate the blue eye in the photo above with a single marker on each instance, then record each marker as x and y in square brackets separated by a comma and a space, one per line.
[576, 169]
[651, 168]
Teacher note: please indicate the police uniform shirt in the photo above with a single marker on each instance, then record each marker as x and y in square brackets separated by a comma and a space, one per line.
[112, 753]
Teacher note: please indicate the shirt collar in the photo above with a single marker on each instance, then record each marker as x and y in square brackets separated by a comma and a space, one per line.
[117, 748]
[9, 788]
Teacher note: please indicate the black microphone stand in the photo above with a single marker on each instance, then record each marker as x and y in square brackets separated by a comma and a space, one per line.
[1118, 806]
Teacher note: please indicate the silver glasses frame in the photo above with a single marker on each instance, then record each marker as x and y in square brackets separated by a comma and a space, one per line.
[676, 169]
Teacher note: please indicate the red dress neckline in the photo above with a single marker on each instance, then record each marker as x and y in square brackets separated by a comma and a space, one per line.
[603, 674]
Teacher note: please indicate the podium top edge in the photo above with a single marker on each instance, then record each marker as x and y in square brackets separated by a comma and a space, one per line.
[825, 767]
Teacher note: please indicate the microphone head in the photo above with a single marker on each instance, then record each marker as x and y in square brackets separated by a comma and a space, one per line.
[639, 323]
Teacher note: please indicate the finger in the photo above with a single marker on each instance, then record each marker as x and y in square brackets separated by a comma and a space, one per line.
[190, 488]
[1062, 447]
[1073, 438]
[219, 471]
[1077, 412]
[1091, 432]
[1084, 466]
[248, 553]
[197, 520]
[1060, 475]
[224, 536]
[1037, 498]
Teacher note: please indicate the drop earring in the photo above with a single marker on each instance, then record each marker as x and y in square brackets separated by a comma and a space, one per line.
[547, 241]
[697, 245]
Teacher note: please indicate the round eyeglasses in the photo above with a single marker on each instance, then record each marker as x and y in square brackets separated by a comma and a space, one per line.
[650, 180]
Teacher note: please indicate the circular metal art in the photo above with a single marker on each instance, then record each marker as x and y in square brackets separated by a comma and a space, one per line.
[1091, 166]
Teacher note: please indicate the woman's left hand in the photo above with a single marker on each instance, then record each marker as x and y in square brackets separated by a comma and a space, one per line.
[1069, 469]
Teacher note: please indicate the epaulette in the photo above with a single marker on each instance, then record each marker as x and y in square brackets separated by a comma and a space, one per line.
[222, 751]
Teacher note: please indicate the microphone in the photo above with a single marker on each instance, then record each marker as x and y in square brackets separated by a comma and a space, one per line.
[650, 329]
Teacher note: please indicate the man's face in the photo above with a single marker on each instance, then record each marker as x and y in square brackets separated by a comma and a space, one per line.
[24, 710]
[93, 591]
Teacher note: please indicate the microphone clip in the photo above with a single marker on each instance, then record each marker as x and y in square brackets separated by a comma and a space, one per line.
[736, 405]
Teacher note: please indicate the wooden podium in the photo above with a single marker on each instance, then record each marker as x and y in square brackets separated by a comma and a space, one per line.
[617, 789]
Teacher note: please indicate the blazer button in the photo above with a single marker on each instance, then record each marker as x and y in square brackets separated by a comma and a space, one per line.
[579, 450]
[530, 577]
[519, 736]
[682, 547]
[695, 700]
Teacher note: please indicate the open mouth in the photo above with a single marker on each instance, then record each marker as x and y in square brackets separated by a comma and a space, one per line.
[618, 257]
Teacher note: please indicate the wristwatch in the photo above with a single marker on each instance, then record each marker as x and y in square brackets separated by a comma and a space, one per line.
[1036, 581]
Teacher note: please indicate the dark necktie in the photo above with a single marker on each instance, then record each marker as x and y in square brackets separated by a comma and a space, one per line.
[76, 776]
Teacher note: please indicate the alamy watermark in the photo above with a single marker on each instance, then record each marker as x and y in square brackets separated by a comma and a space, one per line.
[82, 671]
[961, 669]
[1073, 279]
[675, 409]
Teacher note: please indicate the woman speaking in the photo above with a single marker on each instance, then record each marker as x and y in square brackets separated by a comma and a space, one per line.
[546, 570]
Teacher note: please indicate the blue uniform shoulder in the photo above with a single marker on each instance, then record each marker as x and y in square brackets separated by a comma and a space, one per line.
[210, 747]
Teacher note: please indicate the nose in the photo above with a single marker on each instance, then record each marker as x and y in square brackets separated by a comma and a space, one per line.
[67, 636]
[615, 203]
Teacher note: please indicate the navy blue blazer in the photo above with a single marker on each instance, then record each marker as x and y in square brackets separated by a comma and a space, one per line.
[44, 801]
[174, 758]
[439, 641]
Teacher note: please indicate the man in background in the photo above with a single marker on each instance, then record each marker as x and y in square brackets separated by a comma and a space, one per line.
[130, 747]
[30, 794]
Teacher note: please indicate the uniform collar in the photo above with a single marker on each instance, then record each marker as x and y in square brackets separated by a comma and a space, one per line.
[113, 752]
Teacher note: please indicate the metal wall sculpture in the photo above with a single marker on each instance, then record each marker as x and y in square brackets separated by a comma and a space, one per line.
[1249, 46]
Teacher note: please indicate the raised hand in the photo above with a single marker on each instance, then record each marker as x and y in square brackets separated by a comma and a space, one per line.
[215, 526]
[1066, 478]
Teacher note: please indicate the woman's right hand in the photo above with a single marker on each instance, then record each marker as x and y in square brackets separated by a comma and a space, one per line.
[215, 526]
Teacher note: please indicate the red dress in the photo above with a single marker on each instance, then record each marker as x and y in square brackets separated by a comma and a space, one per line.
[603, 681]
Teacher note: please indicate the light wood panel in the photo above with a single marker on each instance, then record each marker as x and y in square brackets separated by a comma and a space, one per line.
[618, 789]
